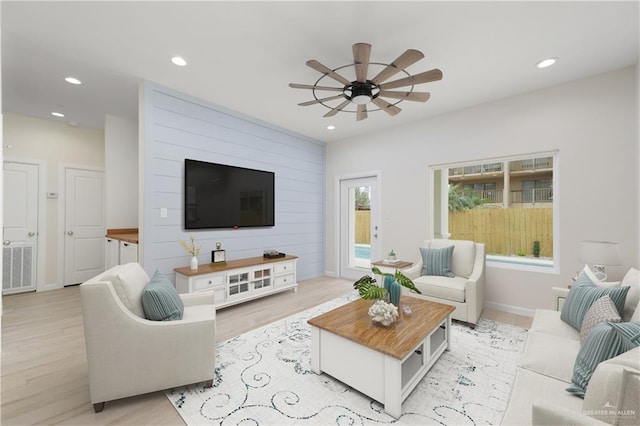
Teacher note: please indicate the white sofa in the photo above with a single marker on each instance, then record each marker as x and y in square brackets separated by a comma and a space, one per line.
[465, 291]
[539, 395]
[130, 355]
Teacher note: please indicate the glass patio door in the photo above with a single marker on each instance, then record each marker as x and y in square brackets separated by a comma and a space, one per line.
[359, 226]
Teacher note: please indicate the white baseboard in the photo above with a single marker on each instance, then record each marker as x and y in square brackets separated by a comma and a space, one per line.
[510, 309]
[331, 274]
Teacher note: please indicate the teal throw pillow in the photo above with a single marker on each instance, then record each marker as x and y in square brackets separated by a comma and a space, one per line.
[582, 295]
[160, 300]
[607, 340]
[437, 261]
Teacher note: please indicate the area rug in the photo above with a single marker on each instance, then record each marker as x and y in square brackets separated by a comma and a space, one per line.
[264, 377]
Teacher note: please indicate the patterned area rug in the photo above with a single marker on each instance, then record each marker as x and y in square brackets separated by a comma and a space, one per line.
[264, 377]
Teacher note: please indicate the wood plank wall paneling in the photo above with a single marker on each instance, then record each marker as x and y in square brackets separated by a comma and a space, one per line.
[178, 126]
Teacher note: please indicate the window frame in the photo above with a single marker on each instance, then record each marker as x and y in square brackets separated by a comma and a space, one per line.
[500, 262]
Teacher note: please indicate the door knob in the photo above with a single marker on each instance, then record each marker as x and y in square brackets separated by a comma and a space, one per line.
[31, 234]
[6, 242]
[69, 233]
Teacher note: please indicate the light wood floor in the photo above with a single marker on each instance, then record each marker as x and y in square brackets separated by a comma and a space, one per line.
[44, 368]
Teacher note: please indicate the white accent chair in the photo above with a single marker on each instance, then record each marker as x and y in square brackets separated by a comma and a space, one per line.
[129, 355]
[465, 291]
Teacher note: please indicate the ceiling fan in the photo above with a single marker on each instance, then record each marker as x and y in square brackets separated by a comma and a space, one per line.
[364, 91]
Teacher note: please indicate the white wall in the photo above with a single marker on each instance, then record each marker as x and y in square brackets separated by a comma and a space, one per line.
[175, 126]
[121, 172]
[55, 144]
[593, 124]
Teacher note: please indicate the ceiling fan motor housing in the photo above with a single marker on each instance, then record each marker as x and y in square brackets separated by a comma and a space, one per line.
[361, 93]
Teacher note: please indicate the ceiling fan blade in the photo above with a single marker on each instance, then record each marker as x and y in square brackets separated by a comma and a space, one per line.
[406, 96]
[327, 71]
[386, 106]
[409, 57]
[310, 86]
[337, 109]
[317, 101]
[361, 114]
[424, 77]
[361, 54]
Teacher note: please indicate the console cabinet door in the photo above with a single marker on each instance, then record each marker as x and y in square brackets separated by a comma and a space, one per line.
[128, 252]
[238, 284]
[111, 253]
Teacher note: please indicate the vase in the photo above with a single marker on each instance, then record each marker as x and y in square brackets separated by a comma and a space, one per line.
[394, 291]
[194, 262]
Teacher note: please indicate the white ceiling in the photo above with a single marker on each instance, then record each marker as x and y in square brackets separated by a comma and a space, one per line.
[242, 55]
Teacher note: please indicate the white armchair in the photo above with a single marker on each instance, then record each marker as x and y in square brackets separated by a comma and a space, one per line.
[465, 291]
[130, 355]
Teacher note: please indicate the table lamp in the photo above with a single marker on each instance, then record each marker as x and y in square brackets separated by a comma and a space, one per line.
[600, 254]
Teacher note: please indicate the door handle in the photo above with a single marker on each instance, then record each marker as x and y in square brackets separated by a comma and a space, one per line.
[70, 233]
[375, 235]
[6, 242]
[31, 234]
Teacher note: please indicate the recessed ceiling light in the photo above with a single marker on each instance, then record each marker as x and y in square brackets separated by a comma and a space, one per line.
[72, 80]
[57, 114]
[179, 61]
[547, 62]
[331, 127]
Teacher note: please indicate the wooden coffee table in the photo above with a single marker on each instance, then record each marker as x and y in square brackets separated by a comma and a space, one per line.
[385, 363]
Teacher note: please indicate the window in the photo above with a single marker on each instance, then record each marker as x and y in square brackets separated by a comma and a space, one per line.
[507, 204]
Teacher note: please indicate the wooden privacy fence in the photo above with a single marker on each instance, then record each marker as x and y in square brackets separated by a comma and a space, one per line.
[505, 231]
[363, 227]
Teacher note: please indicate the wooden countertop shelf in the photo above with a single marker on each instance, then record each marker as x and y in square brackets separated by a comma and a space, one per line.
[231, 264]
[128, 235]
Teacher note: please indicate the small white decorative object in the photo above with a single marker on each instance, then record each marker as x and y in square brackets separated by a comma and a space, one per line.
[383, 312]
[193, 249]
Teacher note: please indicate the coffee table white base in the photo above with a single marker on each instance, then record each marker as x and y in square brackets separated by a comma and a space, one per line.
[384, 378]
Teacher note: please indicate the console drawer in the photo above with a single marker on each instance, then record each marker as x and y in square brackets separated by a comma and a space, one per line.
[283, 268]
[208, 283]
[284, 280]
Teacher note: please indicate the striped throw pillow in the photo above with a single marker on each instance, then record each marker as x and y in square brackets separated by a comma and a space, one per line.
[160, 300]
[607, 340]
[582, 295]
[437, 261]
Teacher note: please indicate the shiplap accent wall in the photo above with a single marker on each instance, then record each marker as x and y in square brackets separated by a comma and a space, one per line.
[176, 126]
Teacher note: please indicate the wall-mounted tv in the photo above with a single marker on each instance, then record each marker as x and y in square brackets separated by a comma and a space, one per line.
[223, 196]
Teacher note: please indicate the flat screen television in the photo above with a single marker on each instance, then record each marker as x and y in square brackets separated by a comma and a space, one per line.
[223, 196]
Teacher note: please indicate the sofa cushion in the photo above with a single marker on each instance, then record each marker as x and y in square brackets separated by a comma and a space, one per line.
[437, 261]
[631, 309]
[614, 390]
[557, 363]
[160, 300]
[129, 281]
[549, 322]
[442, 287]
[605, 341]
[582, 295]
[529, 386]
[464, 255]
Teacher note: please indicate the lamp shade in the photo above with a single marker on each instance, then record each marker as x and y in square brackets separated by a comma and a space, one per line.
[600, 253]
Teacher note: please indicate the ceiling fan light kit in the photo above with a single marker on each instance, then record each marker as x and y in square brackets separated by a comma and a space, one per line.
[363, 92]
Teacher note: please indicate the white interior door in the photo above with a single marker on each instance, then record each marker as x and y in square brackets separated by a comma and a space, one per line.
[359, 226]
[20, 227]
[84, 225]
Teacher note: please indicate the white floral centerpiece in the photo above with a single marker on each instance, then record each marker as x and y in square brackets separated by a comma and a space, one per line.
[193, 249]
[383, 312]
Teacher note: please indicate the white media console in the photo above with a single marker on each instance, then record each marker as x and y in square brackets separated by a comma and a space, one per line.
[240, 280]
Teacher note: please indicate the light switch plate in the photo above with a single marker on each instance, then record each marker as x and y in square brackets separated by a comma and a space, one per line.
[163, 212]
